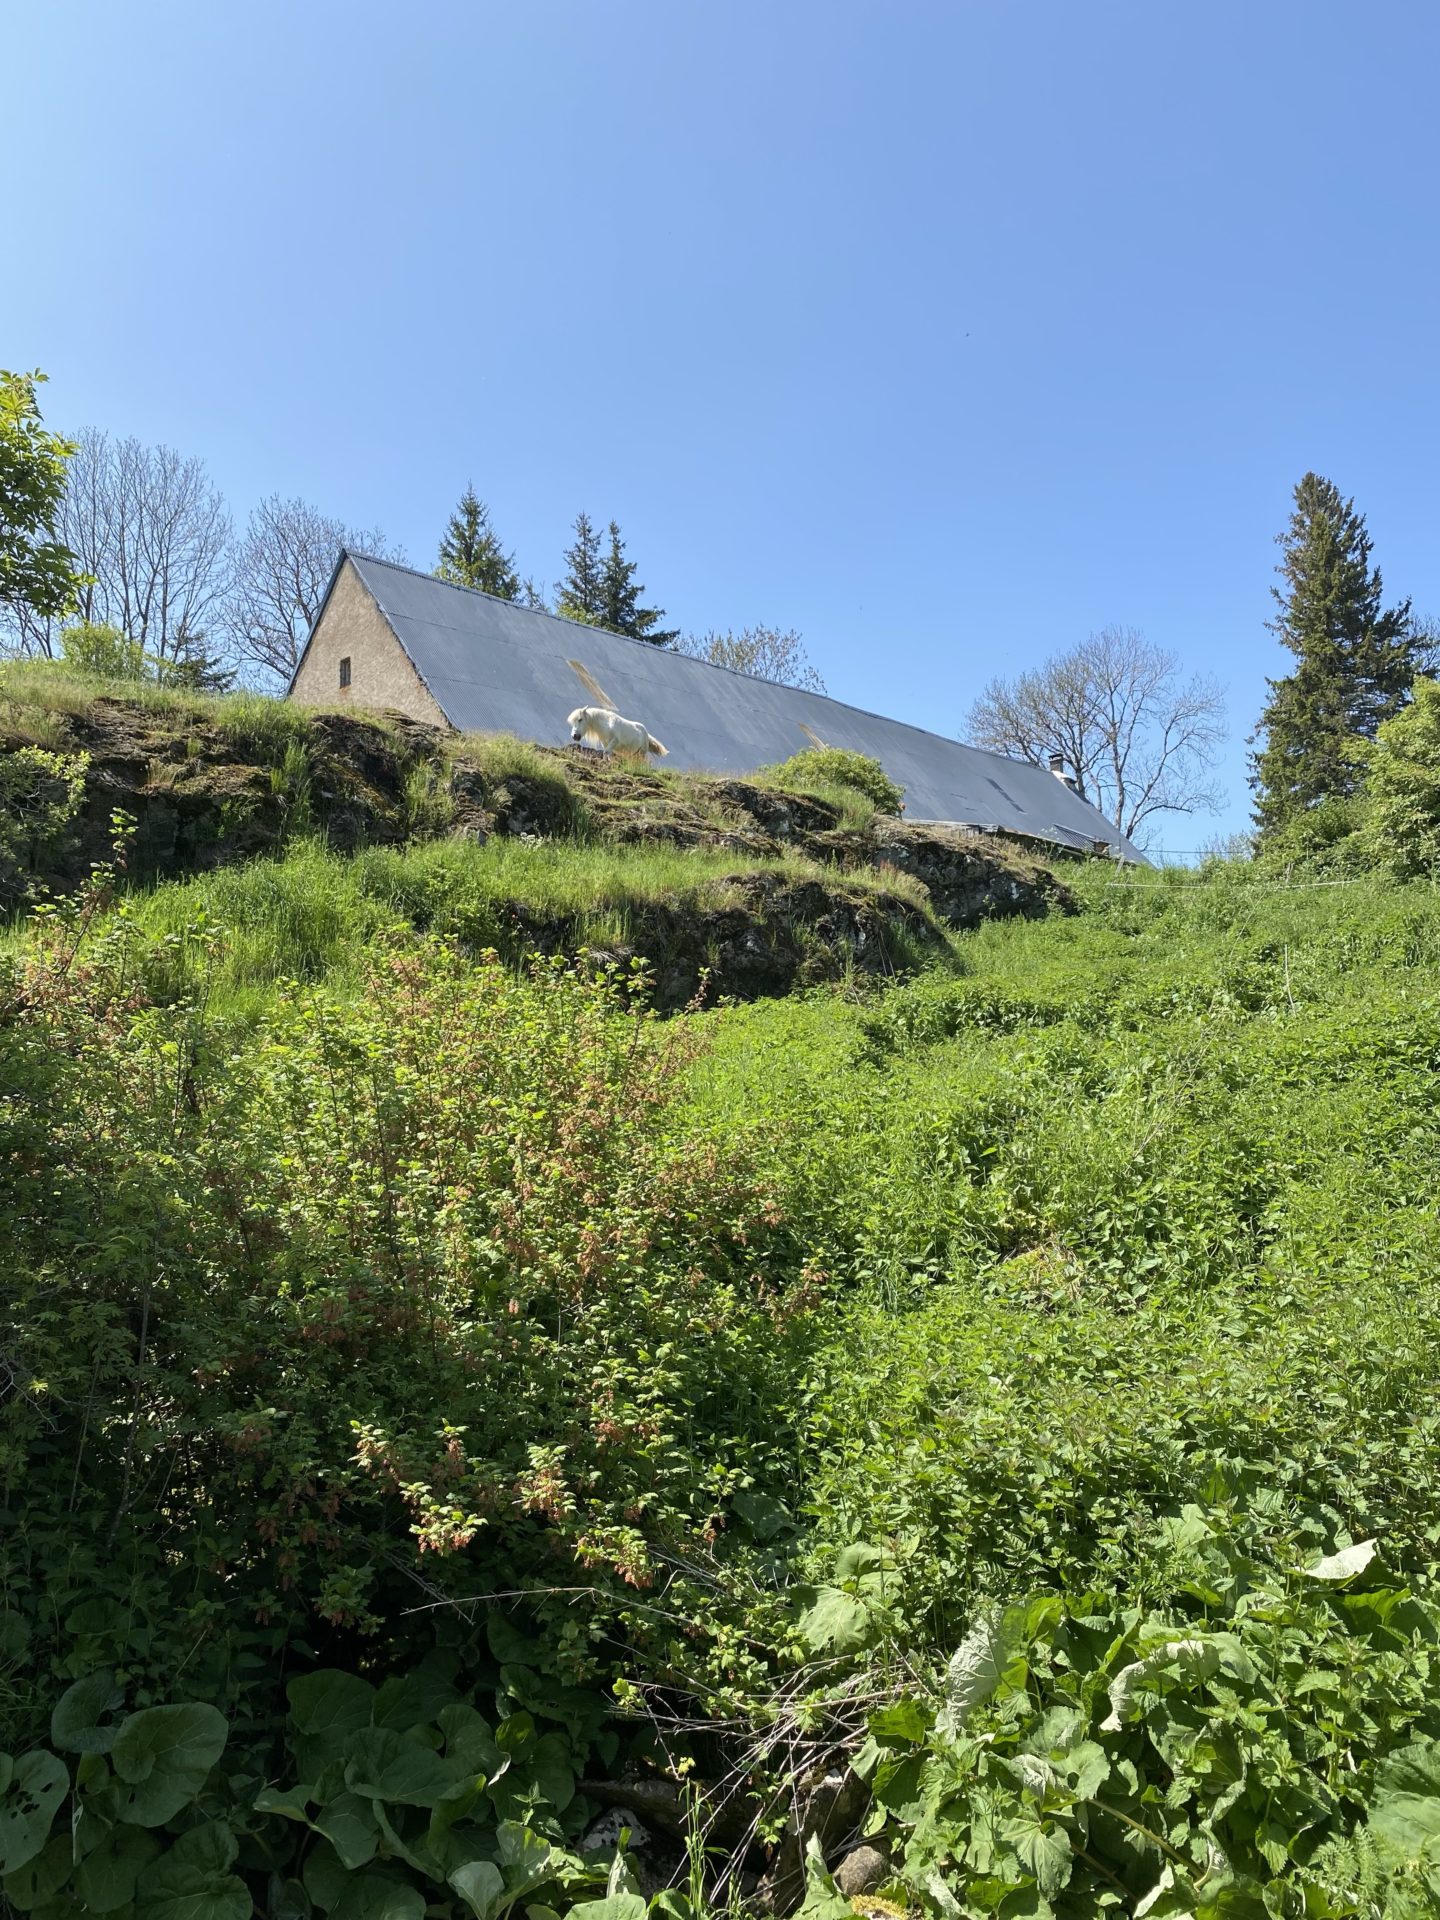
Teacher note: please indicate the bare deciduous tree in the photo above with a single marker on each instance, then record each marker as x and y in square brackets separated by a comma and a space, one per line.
[281, 568]
[1138, 737]
[765, 652]
[153, 535]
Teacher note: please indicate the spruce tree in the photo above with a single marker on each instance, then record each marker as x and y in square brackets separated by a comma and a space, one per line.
[578, 595]
[472, 556]
[1355, 661]
[620, 607]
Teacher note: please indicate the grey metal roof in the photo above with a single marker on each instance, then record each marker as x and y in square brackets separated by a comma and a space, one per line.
[497, 667]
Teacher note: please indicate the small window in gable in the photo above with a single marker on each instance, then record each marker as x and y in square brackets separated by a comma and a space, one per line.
[345, 671]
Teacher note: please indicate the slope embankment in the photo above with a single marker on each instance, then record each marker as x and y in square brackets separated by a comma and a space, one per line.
[721, 886]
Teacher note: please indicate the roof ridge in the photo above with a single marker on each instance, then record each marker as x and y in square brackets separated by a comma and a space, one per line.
[715, 666]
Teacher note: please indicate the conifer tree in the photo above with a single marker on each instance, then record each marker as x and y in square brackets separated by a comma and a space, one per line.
[1355, 661]
[620, 607]
[578, 595]
[472, 556]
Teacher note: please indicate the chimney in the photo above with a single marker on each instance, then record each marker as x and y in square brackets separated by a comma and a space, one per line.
[1057, 767]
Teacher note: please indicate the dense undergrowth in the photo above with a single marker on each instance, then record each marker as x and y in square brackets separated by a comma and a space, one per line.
[457, 1393]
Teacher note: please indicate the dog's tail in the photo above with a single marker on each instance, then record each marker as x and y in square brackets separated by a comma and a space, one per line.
[652, 745]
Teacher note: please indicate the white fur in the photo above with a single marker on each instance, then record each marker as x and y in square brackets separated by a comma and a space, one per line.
[607, 730]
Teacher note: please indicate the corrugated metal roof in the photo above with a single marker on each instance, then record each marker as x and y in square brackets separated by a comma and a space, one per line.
[497, 667]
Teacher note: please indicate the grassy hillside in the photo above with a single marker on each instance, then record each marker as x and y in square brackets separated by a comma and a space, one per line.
[449, 1401]
[724, 887]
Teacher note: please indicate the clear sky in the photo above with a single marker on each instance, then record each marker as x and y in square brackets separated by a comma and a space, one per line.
[943, 330]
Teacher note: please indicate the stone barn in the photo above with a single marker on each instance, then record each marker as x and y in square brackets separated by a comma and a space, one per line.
[387, 636]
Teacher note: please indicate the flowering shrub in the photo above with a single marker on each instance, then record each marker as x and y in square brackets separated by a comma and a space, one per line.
[422, 1295]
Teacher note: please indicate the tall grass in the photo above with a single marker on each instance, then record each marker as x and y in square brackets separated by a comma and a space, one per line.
[37, 696]
[315, 913]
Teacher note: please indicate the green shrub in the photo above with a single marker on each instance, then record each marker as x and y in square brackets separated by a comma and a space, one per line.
[41, 793]
[838, 767]
[103, 653]
[1261, 1741]
[1402, 829]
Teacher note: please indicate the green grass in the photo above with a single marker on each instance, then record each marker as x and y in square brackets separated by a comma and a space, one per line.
[1114, 1189]
[37, 696]
[1101, 1264]
[316, 914]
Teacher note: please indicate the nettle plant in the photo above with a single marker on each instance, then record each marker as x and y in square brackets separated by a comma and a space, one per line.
[1268, 1744]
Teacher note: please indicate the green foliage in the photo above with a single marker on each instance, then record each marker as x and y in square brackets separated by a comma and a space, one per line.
[426, 807]
[1036, 1358]
[1210, 1754]
[1402, 827]
[471, 554]
[389, 1799]
[103, 653]
[600, 589]
[1355, 660]
[838, 767]
[619, 606]
[315, 914]
[41, 793]
[440, 1268]
[98, 652]
[36, 571]
[580, 595]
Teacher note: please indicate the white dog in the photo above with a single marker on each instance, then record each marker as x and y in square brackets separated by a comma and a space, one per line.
[605, 729]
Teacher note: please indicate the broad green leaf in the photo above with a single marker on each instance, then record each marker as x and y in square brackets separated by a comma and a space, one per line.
[548, 1763]
[350, 1826]
[38, 1782]
[164, 1755]
[384, 1765]
[368, 1895]
[481, 1885]
[1196, 1659]
[528, 1860]
[860, 1562]
[1086, 1768]
[975, 1668]
[413, 1699]
[288, 1900]
[328, 1706]
[14, 1636]
[905, 1721]
[836, 1623]
[414, 1853]
[614, 1906]
[764, 1516]
[470, 1743]
[291, 1803]
[374, 1896]
[193, 1882]
[1044, 1851]
[1412, 1769]
[106, 1876]
[40, 1879]
[75, 1725]
[1345, 1565]
[1405, 1816]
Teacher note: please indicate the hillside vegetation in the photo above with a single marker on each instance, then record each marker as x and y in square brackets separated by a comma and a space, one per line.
[987, 1414]
[724, 887]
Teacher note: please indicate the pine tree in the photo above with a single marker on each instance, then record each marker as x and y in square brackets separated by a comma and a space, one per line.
[620, 593]
[578, 595]
[1355, 660]
[472, 556]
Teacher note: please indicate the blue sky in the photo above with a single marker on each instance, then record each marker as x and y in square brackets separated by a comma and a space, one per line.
[945, 332]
